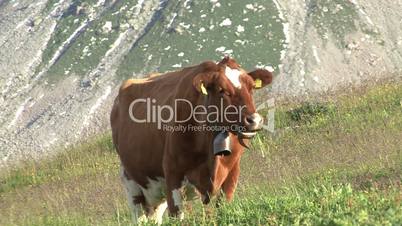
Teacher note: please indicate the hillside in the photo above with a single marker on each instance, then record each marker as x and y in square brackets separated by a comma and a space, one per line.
[62, 60]
[332, 163]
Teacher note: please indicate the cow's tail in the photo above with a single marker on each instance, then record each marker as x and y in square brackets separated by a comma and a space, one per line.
[114, 121]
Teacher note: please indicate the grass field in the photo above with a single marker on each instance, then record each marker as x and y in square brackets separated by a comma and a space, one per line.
[337, 162]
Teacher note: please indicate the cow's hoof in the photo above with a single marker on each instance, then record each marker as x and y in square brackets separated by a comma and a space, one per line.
[205, 199]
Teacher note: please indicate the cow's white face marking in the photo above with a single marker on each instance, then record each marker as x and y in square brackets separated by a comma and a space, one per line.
[234, 76]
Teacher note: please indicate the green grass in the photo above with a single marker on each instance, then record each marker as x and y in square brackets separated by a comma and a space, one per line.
[335, 162]
[49, 6]
[315, 200]
[160, 48]
[75, 60]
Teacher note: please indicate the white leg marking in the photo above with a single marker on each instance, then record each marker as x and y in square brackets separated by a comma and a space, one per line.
[133, 190]
[178, 202]
[159, 212]
[190, 192]
[154, 192]
[155, 198]
[177, 197]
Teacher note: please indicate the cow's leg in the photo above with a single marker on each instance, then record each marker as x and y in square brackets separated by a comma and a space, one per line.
[135, 197]
[174, 177]
[154, 199]
[157, 214]
[230, 184]
[174, 197]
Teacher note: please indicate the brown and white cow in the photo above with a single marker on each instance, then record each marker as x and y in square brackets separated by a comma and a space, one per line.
[155, 163]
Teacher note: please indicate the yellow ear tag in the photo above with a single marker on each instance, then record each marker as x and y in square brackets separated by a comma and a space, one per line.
[203, 89]
[258, 83]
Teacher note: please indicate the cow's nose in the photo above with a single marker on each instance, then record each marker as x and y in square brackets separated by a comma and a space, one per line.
[253, 122]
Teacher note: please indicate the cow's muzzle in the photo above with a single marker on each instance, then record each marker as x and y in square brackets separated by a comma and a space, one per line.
[222, 144]
[246, 135]
[253, 123]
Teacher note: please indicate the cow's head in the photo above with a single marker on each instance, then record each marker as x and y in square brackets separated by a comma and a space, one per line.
[229, 84]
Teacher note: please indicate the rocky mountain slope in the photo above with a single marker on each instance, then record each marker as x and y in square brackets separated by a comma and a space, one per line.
[61, 61]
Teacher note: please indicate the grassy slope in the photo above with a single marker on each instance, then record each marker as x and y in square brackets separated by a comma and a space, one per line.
[94, 40]
[174, 29]
[160, 48]
[332, 163]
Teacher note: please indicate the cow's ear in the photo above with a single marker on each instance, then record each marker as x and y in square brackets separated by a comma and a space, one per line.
[261, 77]
[203, 81]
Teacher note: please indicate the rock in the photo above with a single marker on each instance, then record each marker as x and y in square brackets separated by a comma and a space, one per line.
[85, 83]
[107, 27]
[81, 9]
[226, 22]
[178, 30]
[30, 23]
[352, 46]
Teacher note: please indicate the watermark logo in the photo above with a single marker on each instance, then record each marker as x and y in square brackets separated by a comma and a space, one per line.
[196, 118]
[269, 122]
